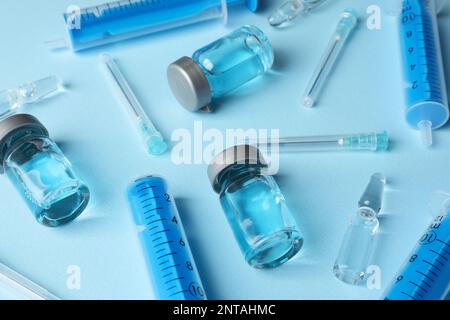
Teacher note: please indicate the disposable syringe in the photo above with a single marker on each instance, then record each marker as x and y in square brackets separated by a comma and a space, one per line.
[152, 138]
[290, 10]
[357, 142]
[166, 248]
[120, 20]
[22, 287]
[426, 273]
[347, 23]
[423, 69]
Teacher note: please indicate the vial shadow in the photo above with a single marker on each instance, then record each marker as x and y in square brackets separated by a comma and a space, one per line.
[93, 181]
[282, 62]
[267, 6]
[186, 209]
[304, 219]
[86, 223]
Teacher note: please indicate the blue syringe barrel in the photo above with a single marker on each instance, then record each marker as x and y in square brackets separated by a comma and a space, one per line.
[125, 19]
[426, 273]
[425, 89]
[173, 270]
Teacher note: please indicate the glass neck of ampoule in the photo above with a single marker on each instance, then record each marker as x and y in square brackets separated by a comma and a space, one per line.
[372, 197]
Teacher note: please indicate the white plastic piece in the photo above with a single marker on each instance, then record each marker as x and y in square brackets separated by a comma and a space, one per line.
[426, 133]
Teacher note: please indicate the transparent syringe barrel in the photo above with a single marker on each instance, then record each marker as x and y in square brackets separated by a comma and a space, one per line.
[125, 19]
[425, 89]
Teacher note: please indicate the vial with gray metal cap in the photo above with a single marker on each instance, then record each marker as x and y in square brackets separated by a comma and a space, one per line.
[40, 171]
[220, 67]
[263, 225]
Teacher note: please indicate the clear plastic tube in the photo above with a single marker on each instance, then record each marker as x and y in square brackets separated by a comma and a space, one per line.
[356, 142]
[343, 30]
[22, 287]
[152, 138]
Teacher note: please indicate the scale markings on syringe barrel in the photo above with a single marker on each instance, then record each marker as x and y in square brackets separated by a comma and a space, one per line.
[426, 274]
[166, 248]
[426, 95]
[120, 20]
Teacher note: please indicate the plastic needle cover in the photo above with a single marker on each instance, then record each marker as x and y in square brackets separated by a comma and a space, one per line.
[343, 30]
[153, 140]
[290, 10]
[356, 142]
[13, 99]
[22, 287]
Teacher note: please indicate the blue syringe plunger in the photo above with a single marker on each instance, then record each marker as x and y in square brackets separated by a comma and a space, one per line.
[121, 20]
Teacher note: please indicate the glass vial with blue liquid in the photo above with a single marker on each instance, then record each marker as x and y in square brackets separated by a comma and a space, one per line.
[220, 67]
[40, 171]
[263, 225]
[359, 240]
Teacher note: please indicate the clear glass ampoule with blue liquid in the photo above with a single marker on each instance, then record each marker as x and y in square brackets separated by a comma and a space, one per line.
[359, 241]
[220, 67]
[256, 210]
[40, 171]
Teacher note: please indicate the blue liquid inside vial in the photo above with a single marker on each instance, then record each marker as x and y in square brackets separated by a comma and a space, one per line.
[257, 213]
[43, 176]
[234, 60]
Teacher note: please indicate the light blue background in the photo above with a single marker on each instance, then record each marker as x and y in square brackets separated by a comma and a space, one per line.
[364, 94]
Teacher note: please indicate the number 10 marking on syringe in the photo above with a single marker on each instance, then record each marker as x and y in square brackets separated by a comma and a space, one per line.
[167, 251]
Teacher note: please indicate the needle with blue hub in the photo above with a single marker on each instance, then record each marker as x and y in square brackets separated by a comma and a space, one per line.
[152, 138]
